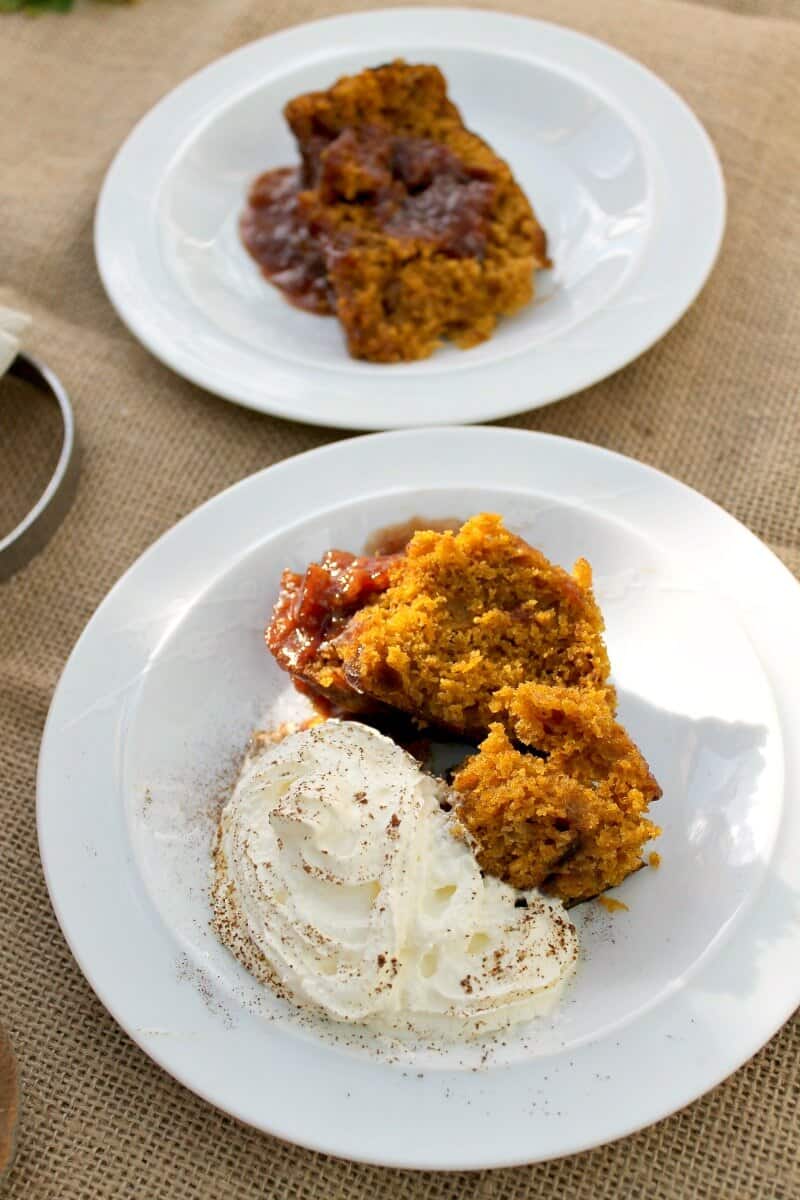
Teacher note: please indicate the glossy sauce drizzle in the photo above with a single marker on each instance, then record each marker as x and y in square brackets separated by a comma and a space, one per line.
[314, 607]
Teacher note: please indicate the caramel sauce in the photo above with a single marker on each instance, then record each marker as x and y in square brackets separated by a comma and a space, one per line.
[315, 607]
[277, 236]
[392, 539]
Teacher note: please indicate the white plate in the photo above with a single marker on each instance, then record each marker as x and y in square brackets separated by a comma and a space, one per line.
[171, 674]
[621, 173]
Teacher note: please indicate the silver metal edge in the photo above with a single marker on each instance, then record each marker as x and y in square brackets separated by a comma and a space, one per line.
[36, 529]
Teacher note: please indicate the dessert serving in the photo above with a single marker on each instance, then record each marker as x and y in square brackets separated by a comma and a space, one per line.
[356, 881]
[399, 220]
[341, 880]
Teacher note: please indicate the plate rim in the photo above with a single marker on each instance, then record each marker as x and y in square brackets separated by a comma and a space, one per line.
[281, 398]
[310, 458]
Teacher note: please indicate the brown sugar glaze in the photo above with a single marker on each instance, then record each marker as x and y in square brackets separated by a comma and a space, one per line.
[313, 607]
[276, 235]
[415, 188]
[392, 539]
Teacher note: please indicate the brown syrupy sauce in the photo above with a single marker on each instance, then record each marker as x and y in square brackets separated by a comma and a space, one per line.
[393, 539]
[279, 239]
[362, 180]
[314, 607]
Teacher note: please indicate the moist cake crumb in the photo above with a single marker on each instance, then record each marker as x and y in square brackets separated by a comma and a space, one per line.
[400, 220]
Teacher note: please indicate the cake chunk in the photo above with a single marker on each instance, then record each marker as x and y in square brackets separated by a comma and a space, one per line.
[467, 614]
[439, 628]
[564, 805]
[404, 222]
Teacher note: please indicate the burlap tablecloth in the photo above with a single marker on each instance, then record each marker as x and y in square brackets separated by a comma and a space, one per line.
[715, 403]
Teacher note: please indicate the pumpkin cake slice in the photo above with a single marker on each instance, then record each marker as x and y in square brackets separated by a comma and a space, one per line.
[570, 817]
[465, 614]
[436, 630]
[425, 233]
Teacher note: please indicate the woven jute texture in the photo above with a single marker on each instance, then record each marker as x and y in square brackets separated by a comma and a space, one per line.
[715, 403]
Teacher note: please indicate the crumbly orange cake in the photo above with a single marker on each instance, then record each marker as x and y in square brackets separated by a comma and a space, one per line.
[570, 818]
[402, 221]
[468, 613]
[476, 632]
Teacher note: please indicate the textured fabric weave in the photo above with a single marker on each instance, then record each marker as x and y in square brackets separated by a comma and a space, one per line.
[715, 404]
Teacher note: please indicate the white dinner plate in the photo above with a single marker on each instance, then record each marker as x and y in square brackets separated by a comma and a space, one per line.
[170, 676]
[620, 172]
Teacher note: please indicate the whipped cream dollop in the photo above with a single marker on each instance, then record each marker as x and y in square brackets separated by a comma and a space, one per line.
[338, 877]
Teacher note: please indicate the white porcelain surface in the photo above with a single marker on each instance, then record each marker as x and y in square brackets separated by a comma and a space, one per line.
[620, 172]
[155, 705]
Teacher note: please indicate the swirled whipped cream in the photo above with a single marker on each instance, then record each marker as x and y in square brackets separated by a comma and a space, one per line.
[338, 878]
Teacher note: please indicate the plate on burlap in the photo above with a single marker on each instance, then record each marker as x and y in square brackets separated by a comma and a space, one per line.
[621, 174]
[154, 708]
